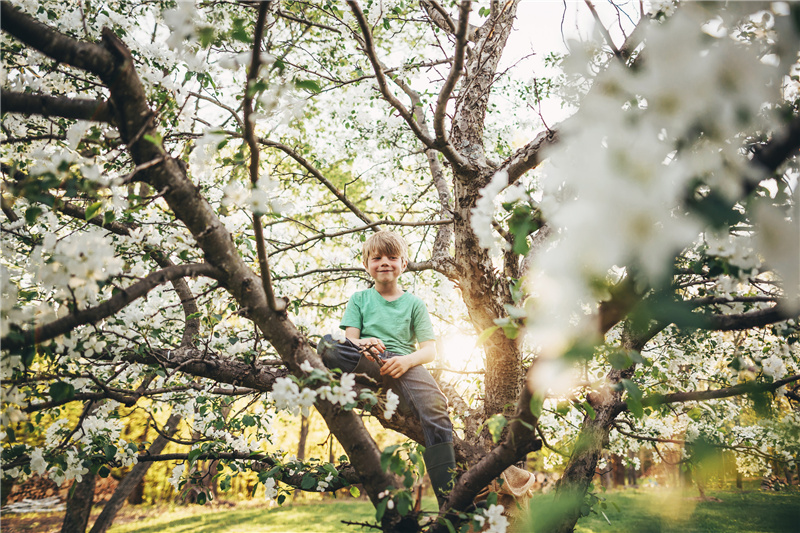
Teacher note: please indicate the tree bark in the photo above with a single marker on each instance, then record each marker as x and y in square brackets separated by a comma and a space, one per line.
[132, 480]
[79, 505]
[301, 441]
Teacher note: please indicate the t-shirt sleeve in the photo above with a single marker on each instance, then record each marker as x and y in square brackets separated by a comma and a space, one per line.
[423, 329]
[352, 314]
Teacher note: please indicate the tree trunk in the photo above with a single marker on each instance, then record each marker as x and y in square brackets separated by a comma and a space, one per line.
[631, 469]
[592, 439]
[301, 441]
[79, 505]
[619, 471]
[572, 486]
[133, 480]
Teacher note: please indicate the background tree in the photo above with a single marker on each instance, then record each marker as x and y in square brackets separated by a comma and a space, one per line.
[607, 285]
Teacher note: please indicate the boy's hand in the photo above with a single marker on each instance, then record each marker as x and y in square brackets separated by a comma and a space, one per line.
[371, 347]
[396, 366]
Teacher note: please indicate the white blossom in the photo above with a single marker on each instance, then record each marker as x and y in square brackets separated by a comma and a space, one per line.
[38, 464]
[338, 335]
[392, 401]
[497, 522]
[270, 490]
[773, 366]
[177, 473]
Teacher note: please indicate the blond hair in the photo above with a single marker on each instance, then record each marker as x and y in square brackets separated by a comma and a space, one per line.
[384, 242]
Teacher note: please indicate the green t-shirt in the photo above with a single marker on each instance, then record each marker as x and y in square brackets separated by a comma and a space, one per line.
[400, 324]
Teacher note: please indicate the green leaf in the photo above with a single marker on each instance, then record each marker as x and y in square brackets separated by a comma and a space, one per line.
[308, 482]
[354, 492]
[695, 413]
[381, 509]
[309, 85]
[448, 523]
[92, 210]
[108, 217]
[485, 334]
[491, 499]
[536, 405]
[61, 391]
[589, 410]
[201, 498]
[386, 456]
[496, 423]
[110, 451]
[103, 471]
[619, 360]
[28, 353]
[31, 214]
[248, 421]
[404, 503]
[194, 454]
[634, 399]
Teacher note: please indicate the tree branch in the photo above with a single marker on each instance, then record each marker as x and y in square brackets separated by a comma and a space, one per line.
[369, 48]
[86, 56]
[520, 440]
[16, 340]
[753, 319]
[699, 396]
[442, 140]
[529, 156]
[604, 30]
[347, 474]
[318, 175]
[56, 106]
[250, 137]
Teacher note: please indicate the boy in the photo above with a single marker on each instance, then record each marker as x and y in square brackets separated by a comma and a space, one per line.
[382, 326]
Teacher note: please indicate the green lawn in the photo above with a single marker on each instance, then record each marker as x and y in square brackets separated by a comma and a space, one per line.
[641, 511]
[303, 518]
[653, 511]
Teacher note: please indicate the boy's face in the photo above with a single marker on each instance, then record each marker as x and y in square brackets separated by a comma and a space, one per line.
[385, 267]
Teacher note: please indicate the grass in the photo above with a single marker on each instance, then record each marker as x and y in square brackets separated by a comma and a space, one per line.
[663, 511]
[640, 511]
[302, 518]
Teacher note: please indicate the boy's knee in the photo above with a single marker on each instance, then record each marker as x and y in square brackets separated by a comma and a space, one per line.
[326, 349]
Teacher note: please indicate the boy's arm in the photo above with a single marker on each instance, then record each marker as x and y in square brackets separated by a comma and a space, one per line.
[397, 366]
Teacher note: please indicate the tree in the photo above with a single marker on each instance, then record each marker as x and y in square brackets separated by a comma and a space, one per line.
[605, 286]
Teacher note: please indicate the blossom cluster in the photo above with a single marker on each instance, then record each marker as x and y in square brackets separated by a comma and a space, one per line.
[616, 186]
[493, 518]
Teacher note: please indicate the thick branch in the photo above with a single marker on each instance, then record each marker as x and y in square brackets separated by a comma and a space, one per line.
[529, 156]
[347, 474]
[442, 141]
[55, 106]
[753, 319]
[17, 340]
[87, 56]
[252, 143]
[727, 392]
[520, 440]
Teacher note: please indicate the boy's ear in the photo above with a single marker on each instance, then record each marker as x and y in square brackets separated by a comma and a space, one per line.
[405, 264]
